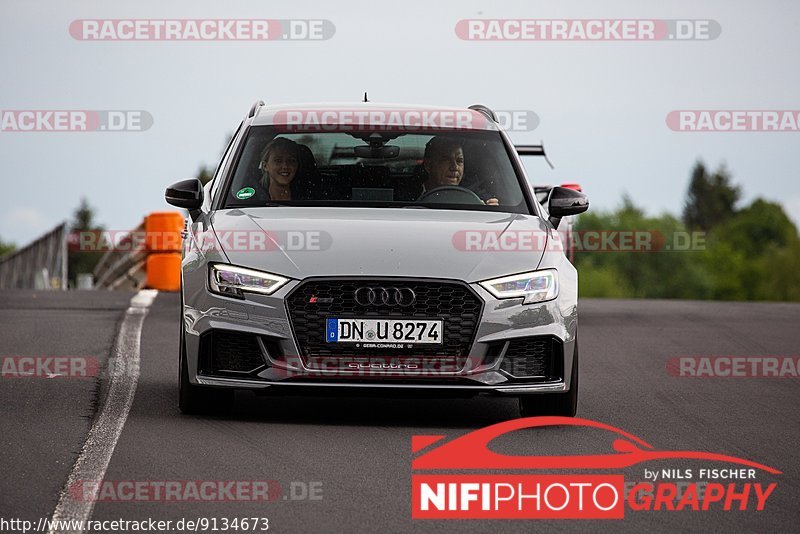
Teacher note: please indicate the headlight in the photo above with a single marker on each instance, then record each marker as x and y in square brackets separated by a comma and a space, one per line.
[233, 281]
[537, 286]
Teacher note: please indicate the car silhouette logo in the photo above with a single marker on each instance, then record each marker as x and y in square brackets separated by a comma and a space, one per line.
[471, 451]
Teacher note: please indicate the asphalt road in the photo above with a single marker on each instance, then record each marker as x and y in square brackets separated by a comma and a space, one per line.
[354, 455]
[44, 421]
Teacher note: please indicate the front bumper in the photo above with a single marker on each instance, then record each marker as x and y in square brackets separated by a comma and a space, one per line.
[321, 385]
[285, 369]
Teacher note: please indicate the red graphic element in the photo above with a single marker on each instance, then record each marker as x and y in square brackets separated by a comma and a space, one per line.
[471, 451]
[420, 442]
[668, 496]
[576, 187]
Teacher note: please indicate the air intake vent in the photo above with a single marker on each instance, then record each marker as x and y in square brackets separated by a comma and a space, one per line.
[533, 357]
[224, 352]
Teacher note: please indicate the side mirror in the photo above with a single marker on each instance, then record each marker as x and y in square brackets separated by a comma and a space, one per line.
[564, 202]
[185, 194]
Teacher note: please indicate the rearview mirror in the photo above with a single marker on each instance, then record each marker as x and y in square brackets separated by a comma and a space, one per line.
[376, 152]
[564, 202]
[185, 194]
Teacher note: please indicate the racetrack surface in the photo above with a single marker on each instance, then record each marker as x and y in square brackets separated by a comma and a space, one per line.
[357, 452]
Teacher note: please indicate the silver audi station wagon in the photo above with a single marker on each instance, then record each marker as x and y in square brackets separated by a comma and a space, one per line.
[375, 248]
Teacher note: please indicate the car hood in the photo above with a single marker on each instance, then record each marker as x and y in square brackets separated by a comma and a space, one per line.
[299, 242]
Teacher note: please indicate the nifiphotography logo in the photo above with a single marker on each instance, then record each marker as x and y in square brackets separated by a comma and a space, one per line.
[596, 490]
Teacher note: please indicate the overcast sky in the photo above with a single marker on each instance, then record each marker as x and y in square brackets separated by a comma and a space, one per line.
[602, 105]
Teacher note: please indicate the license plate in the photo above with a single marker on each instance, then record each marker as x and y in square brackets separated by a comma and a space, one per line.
[409, 331]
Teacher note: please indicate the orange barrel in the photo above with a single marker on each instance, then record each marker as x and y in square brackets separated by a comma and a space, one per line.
[163, 231]
[164, 271]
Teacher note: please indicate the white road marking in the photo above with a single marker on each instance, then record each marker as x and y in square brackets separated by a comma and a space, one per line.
[96, 453]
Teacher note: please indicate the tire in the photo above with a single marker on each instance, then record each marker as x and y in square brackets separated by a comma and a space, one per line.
[564, 404]
[198, 400]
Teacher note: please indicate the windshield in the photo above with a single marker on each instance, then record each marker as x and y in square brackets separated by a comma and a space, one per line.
[452, 170]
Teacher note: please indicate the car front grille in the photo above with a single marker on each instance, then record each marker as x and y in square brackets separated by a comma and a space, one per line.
[312, 302]
[533, 357]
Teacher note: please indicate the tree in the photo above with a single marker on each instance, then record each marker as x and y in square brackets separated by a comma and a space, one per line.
[758, 226]
[659, 270]
[5, 248]
[83, 217]
[748, 254]
[755, 255]
[205, 173]
[711, 199]
[78, 261]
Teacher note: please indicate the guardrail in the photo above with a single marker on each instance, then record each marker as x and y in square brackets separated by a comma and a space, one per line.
[120, 268]
[39, 265]
[149, 256]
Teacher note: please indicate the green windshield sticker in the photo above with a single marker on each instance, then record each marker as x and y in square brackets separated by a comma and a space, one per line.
[245, 193]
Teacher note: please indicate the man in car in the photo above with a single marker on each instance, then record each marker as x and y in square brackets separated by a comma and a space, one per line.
[444, 165]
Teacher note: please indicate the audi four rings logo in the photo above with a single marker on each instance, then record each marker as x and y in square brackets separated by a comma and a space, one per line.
[388, 296]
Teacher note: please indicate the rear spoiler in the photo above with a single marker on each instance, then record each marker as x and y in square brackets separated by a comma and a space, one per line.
[534, 150]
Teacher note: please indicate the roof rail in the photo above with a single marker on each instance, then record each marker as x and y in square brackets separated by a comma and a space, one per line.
[254, 109]
[485, 110]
